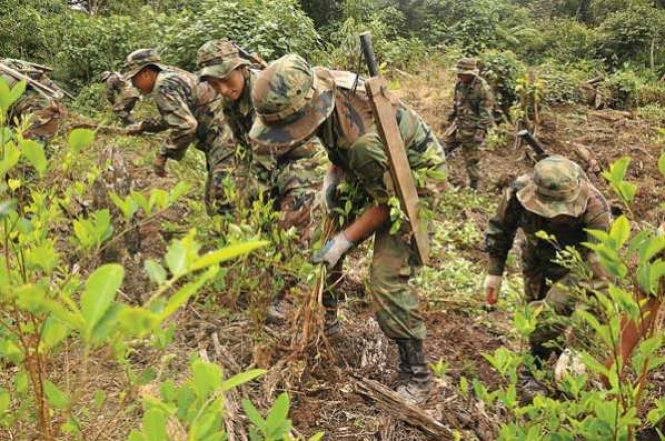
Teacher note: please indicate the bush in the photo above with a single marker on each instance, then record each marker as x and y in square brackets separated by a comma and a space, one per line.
[502, 70]
[563, 82]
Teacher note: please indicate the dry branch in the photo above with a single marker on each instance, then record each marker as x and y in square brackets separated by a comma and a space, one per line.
[390, 401]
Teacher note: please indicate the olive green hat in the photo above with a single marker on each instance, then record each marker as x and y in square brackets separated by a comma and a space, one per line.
[218, 58]
[291, 101]
[139, 59]
[558, 186]
[467, 66]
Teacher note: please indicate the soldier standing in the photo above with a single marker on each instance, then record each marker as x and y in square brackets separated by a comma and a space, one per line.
[288, 173]
[472, 113]
[556, 198]
[121, 95]
[191, 111]
[295, 102]
[43, 104]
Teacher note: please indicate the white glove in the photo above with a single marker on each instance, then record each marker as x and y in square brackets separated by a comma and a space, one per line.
[333, 177]
[492, 287]
[333, 250]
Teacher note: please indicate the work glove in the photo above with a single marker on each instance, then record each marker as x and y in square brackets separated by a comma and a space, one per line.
[492, 287]
[479, 136]
[135, 128]
[333, 250]
[329, 189]
[159, 165]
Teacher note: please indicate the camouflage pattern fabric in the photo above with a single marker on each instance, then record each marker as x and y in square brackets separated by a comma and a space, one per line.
[46, 112]
[122, 96]
[218, 58]
[473, 113]
[289, 176]
[353, 144]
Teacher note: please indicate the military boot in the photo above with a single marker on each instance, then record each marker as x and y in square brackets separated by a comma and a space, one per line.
[331, 325]
[416, 376]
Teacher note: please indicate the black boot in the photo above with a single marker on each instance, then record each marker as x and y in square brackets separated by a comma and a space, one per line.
[413, 368]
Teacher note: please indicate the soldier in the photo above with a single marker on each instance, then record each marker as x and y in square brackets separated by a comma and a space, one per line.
[121, 94]
[295, 102]
[472, 113]
[559, 200]
[191, 111]
[289, 174]
[44, 104]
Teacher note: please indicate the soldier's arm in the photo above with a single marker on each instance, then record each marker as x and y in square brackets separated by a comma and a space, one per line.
[501, 231]
[177, 116]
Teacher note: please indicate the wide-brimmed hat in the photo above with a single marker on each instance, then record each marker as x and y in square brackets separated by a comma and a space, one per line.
[557, 187]
[218, 58]
[139, 59]
[467, 66]
[291, 100]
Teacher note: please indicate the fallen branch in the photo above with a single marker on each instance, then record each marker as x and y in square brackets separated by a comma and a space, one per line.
[393, 403]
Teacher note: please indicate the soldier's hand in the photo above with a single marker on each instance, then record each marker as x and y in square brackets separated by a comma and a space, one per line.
[479, 136]
[333, 250]
[135, 128]
[492, 286]
[159, 166]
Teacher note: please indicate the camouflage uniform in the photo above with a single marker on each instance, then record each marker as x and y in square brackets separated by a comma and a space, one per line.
[121, 94]
[189, 110]
[289, 176]
[342, 117]
[472, 111]
[534, 203]
[47, 111]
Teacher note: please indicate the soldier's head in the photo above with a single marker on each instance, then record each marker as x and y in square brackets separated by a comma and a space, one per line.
[222, 67]
[141, 68]
[291, 100]
[467, 69]
[558, 187]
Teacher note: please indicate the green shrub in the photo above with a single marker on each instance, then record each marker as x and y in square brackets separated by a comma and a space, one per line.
[501, 69]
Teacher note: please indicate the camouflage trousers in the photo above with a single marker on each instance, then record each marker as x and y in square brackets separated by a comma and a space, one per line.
[45, 115]
[394, 263]
[472, 154]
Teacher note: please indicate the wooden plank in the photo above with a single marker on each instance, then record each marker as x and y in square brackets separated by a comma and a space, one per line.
[384, 113]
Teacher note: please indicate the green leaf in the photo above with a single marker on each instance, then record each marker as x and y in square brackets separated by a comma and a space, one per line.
[176, 258]
[620, 231]
[10, 158]
[5, 401]
[80, 139]
[277, 424]
[253, 414]
[154, 425]
[242, 378]
[53, 332]
[206, 377]
[317, 437]
[661, 164]
[56, 397]
[155, 271]
[136, 436]
[185, 293]
[226, 253]
[100, 291]
[9, 96]
[99, 399]
[34, 153]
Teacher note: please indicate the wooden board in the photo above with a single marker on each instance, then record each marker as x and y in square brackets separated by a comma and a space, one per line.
[384, 113]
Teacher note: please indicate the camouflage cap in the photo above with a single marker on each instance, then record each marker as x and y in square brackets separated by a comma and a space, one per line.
[291, 101]
[139, 59]
[558, 186]
[467, 66]
[218, 58]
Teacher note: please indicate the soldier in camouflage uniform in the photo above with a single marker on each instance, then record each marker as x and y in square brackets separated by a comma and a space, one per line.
[472, 112]
[559, 200]
[288, 174]
[46, 108]
[121, 95]
[191, 111]
[295, 102]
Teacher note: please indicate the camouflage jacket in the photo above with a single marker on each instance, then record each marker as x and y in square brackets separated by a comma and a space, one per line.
[568, 231]
[191, 111]
[473, 106]
[351, 139]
